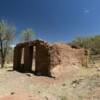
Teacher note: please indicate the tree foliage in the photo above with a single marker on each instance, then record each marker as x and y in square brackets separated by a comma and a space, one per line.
[91, 43]
[6, 36]
[27, 34]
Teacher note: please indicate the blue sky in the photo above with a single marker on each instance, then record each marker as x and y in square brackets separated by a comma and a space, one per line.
[53, 20]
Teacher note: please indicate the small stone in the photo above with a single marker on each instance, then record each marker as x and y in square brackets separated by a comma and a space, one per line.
[12, 93]
[39, 92]
[63, 84]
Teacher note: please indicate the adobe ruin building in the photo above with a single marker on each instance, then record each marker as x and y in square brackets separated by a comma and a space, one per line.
[48, 57]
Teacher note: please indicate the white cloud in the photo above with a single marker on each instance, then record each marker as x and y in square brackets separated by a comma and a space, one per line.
[86, 11]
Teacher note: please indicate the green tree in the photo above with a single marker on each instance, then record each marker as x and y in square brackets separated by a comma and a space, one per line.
[27, 34]
[6, 36]
[91, 43]
[91, 46]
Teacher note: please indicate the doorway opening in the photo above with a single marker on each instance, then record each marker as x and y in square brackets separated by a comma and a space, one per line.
[34, 59]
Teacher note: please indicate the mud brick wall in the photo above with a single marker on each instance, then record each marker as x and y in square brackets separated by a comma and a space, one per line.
[80, 55]
[42, 58]
[55, 58]
[17, 58]
[64, 59]
[62, 54]
[47, 57]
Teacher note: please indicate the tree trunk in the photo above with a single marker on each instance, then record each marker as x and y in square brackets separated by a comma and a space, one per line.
[2, 62]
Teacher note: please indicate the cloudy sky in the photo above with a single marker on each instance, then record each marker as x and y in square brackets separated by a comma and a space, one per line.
[53, 20]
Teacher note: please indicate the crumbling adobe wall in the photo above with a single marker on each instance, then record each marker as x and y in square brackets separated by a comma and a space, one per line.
[80, 55]
[17, 57]
[63, 57]
[55, 58]
[63, 54]
[49, 58]
[42, 58]
[26, 66]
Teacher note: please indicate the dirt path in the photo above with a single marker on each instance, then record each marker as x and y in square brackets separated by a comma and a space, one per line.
[15, 86]
[81, 85]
